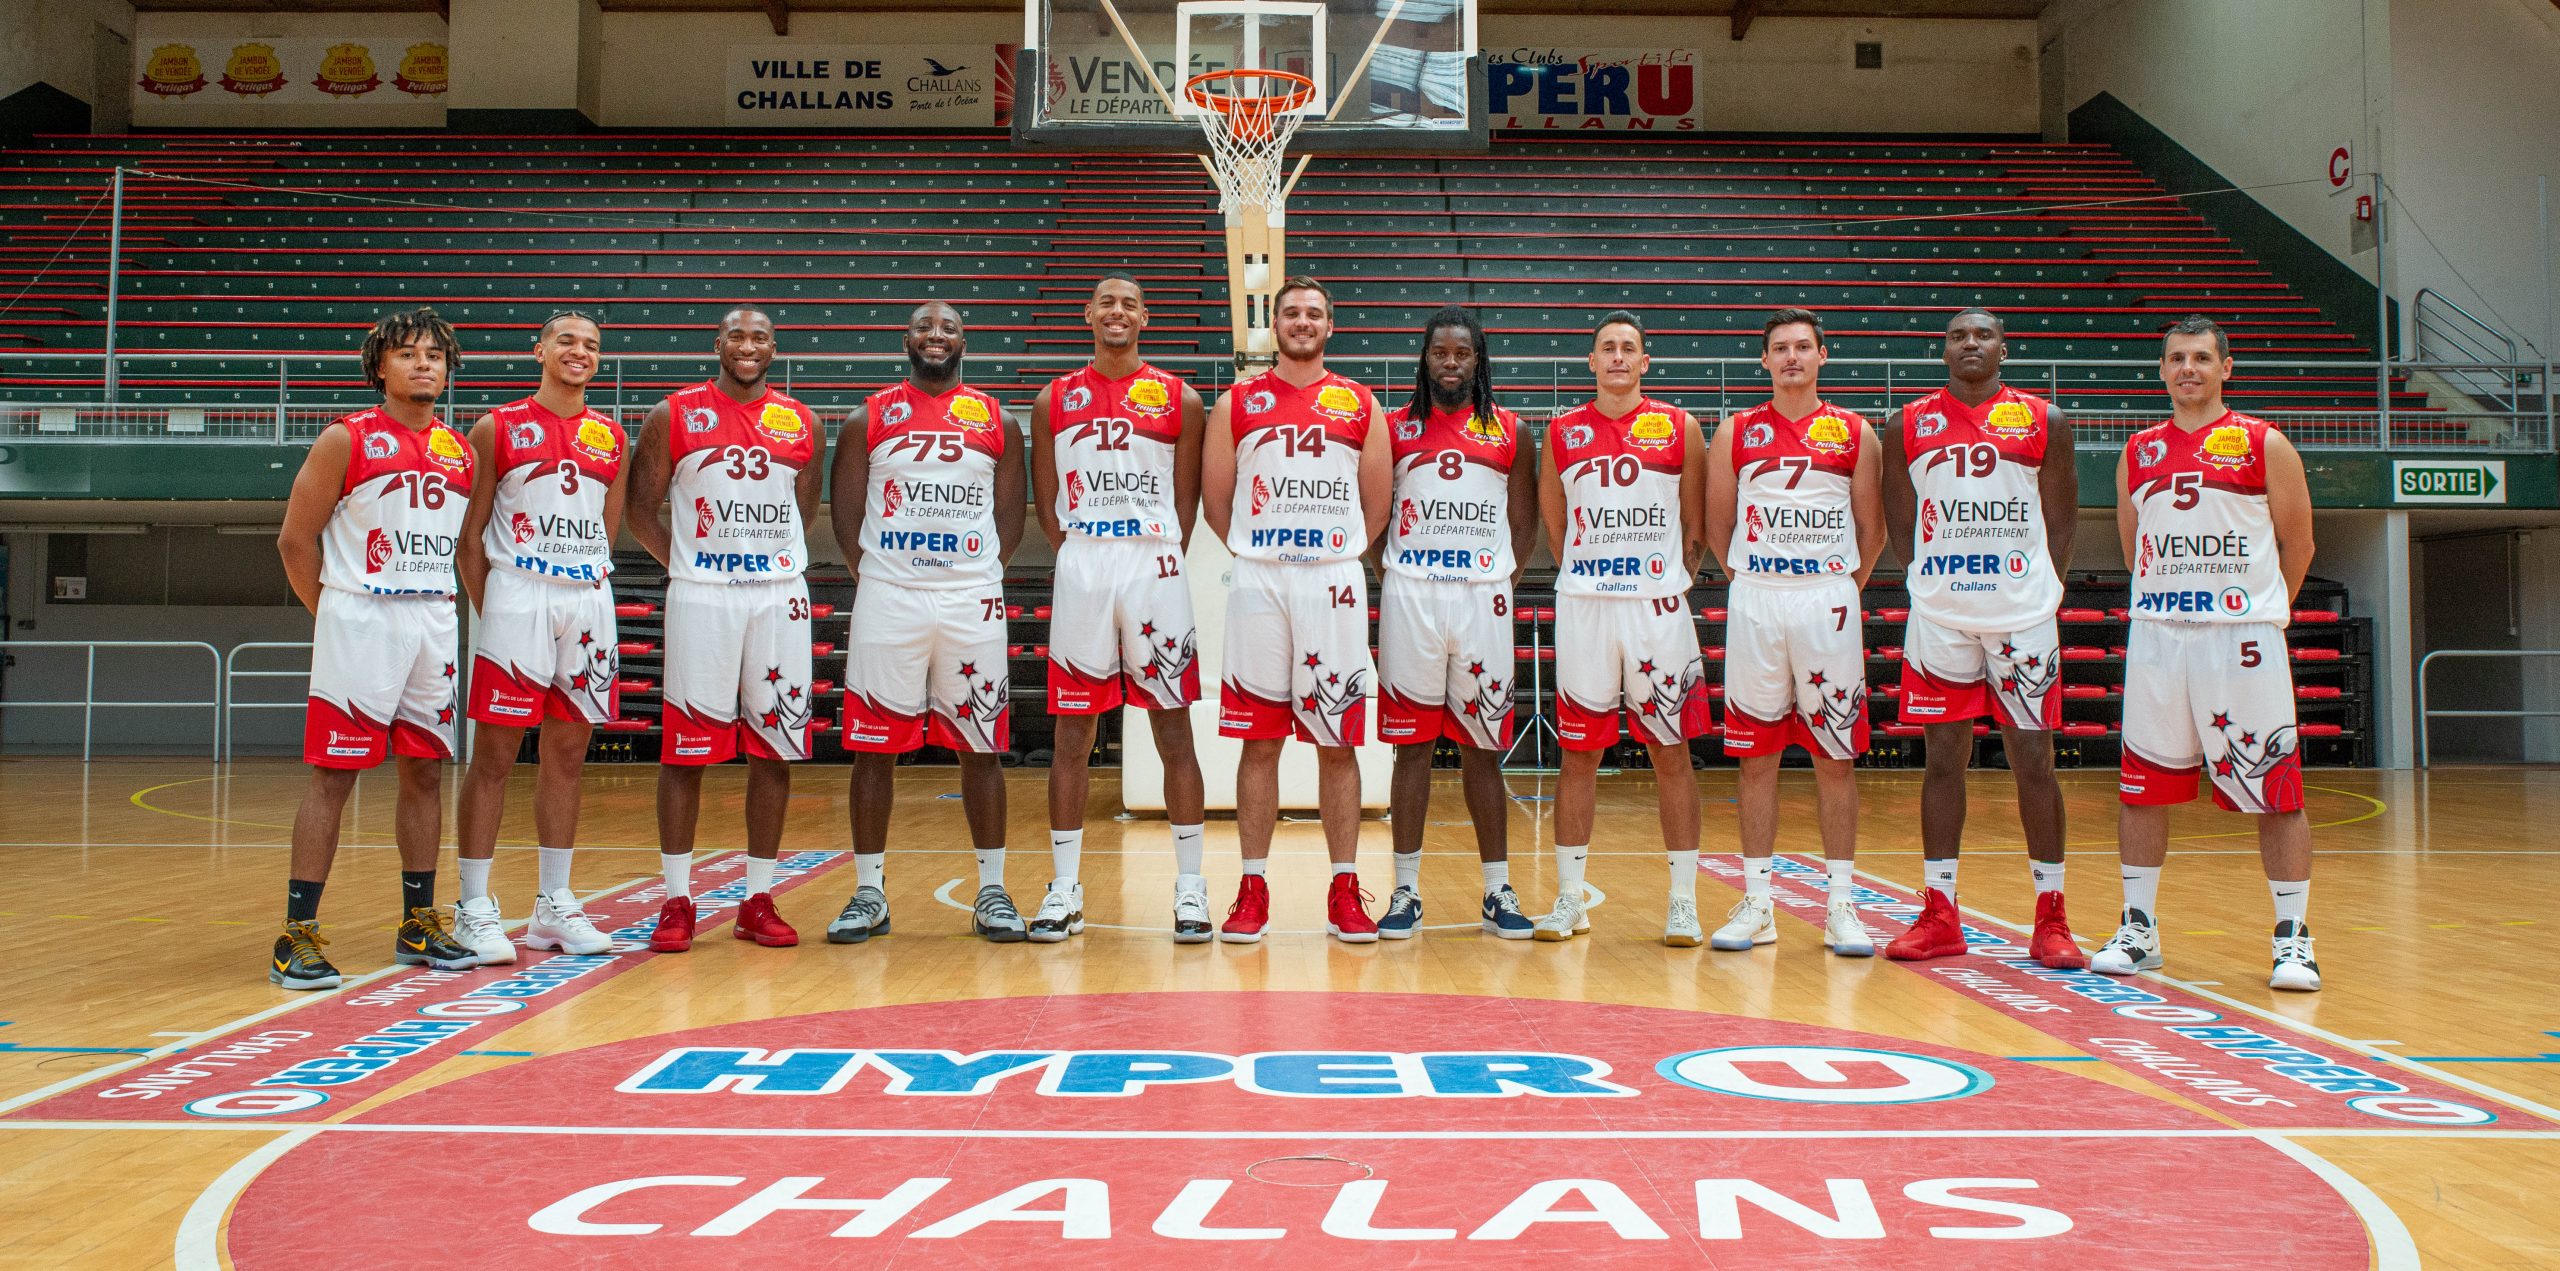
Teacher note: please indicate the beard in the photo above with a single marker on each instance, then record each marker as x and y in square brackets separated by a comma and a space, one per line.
[948, 368]
[1445, 398]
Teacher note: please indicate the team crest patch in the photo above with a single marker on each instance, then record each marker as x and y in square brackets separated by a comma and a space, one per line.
[1576, 436]
[2227, 446]
[525, 435]
[1336, 400]
[380, 445]
[1408, 428]
[781, 423]
[970, 412]
[1930, 424]
[2010, 419]
[445, 448]
[1149, 395]
[895, 413]
[1828, 434]
[2151, 452]
[1077, 398]
[1759, 434]
[1652, 430]
[1258, 401]
[700, 419]
[1486, 430]
[596, 438]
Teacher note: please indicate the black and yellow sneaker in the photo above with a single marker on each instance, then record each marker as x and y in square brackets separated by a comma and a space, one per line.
[425, 940]
[298, 963]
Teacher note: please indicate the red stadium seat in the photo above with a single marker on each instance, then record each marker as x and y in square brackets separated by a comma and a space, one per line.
[2086, 692]
[2082, 615]
[2085, 653]
[2315, 615]
[2317, 655]
[1712, 613]
[822, 648]
[821, 610]
[2318, 692]
[634, 609]
[628, 725]
[2323, 730]
[1889, 653]
[2085, 730]
[636, 648]
[1900, 730]
[630, 685]
[1893, 615]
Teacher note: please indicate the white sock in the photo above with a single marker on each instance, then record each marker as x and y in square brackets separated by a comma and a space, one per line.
[1066, 853]
[869, 871]
[1569, 863]
[1409, 870]
[678, 868]
[1684, 874]
[1186, 850]
[1942, 876]
[2142, 890]
[475, 878]
[1844, 877]
[759, 875]
[1497, 875]
[1344, 867]
[554, 868]
[1256, 869]
[2048, 877]
[990, 867]
[1755, 876]
[2293, 899]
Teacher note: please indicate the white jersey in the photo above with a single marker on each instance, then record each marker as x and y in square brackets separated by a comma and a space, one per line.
[1113, 443]
[734, 485]
[1298, 469]
[1792, 516]
[1980, 561]
[2206, 549]
[1621, 478]
[546, 512]
[930, 517]
[1451, 520]
[399, 513]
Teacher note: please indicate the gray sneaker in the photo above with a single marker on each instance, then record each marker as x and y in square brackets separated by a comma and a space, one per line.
[864, 916]
[995, 917]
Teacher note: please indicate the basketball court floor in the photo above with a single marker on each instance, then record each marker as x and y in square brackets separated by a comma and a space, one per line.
[930, 1099]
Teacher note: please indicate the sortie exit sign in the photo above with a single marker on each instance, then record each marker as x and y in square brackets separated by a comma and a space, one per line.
[2449, 481]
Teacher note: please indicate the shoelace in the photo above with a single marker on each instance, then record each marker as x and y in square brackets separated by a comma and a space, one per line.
[997, 905]
[2294, 949]
[571, 912]
[1057, 905]
[1505, 902]
[433, 921]
[1682, 907]
[472, 919]
[1741, 909]
[1400, 901]
[304, 935]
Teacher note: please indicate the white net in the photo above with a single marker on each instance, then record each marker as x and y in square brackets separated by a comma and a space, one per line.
[1249, 136]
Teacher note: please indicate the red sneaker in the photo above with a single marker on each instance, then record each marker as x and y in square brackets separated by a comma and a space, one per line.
[1250, 914]
[758, 922]
[2052, 945]
[1346, 914]
[1937, 933]
[674, 933]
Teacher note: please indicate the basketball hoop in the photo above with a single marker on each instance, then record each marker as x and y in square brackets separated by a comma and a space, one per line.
[1249, 115]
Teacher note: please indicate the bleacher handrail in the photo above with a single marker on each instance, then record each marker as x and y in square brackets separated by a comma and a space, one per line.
[2427, 714]
[231, 674]
[89, 703]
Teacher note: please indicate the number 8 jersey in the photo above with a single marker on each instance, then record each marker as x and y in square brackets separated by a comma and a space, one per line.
[735, 485]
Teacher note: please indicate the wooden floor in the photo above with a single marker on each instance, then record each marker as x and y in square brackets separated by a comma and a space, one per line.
[140, 898]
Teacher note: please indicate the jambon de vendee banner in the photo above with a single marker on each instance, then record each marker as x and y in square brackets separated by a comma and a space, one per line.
[182, 77]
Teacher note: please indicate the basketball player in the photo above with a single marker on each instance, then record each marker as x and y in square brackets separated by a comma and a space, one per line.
[1294, 476]
[1621, 488]
[1465, 517]
[368, 544]
[739, 461]
[1981, 500]
[928, 506]
[2215, 518]
[1115, 470]
[535, 556]
[1795, 511]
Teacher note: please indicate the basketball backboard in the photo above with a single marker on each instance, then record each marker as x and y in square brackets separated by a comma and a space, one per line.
[1390, 75]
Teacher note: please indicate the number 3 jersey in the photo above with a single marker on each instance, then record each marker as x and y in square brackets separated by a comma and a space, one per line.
[1981, 560]
[735, 485]
[2206, 543]
[1114, 442]
[399, 513]
[546, 516]
[930, 520]
[1298, 469]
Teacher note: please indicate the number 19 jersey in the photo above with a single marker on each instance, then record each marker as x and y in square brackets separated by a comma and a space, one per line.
[1980, 538]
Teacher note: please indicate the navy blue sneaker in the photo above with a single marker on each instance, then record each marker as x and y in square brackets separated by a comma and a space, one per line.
[1403, 916]
[1502, 916]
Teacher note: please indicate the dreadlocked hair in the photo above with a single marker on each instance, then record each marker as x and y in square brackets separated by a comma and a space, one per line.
[400, 329]
[1463, 319]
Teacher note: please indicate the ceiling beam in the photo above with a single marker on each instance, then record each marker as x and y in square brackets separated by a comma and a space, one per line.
[1745, 10]
[779, 13]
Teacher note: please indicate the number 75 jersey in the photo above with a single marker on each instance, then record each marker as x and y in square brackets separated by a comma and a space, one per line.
[735, 485]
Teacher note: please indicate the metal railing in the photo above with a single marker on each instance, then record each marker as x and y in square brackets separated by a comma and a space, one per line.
[2479, 359]
[288, 399]
[89, 704]
[232, 675]
[2427, 714]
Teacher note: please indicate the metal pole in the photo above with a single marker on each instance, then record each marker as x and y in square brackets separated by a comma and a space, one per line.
[88, 703]
[2382, 312]
[115, 277]
[284, 378]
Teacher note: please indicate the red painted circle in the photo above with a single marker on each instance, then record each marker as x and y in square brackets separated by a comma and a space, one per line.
[1484, 1127]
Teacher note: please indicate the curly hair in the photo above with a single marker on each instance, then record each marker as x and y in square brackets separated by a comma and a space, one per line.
[401, 329]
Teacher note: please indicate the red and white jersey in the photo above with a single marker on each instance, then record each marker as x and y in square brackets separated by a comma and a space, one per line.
[546, 514]
[1621, 476]
[1113, 443]
[1298, 469]
[1980, 559]
[1452, 515]
[1791, 511]
[399, 513]
[2205, 548]
[735, 485]
[930, 520]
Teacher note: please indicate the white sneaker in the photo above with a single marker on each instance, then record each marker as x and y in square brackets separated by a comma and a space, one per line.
[1754, 920]
[1191, 911]
[1846, 935]
[2134, 947]
[2294, 968]
[1061, 914]
[560, 922]
[478, 927]
[1567, 920]
[1680, 928]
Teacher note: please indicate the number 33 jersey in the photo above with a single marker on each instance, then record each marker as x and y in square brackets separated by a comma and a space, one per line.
[735, 485]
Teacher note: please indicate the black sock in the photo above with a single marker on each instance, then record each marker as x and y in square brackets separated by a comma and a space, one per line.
[417, 889]
[301, 900]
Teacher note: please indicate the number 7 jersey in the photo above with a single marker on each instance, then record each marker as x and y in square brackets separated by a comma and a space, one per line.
[735, 485]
